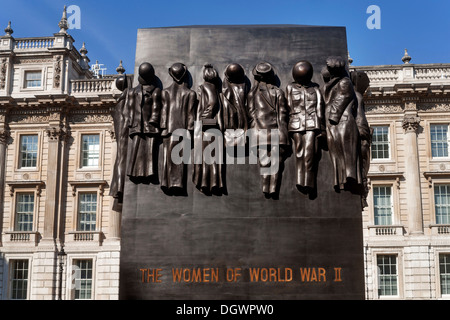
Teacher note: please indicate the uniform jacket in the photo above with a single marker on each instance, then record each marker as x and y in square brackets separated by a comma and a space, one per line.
[144, 107]
[234, 97]
[178, 108]
[306, 108]
[340, 100]
[267, 110]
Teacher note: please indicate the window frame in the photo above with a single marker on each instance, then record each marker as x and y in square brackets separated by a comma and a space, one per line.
[389, 142]
[16, 212]
[396, 275]
[18, 157]
[429, 144]
[391, 187]
[70, 274]
[80, 188]
[26, 188]
[78, 213]
[380, 181]
[91, 279]
[26, 73]
[7, 275]
[433, 200]
[32, 68]
[439, 274]
[79, 164]
[398, 252]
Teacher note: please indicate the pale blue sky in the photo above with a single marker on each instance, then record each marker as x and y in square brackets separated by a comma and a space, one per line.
[109, 28]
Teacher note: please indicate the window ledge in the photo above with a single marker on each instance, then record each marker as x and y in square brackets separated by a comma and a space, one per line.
[439, 229]
[390, 230]
[23, 236]
[86, 236]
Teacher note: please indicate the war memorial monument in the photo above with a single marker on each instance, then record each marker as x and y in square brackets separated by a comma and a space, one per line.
[242, 158]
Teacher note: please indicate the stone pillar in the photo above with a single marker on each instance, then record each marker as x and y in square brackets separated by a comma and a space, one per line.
[412, 173]
[56, 134]
[4, 137]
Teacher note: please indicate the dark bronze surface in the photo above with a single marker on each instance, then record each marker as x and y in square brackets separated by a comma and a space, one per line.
[306, 125]
[343, 140]
[192, 225]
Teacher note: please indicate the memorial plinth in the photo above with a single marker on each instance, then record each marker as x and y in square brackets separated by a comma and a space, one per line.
[241, 245]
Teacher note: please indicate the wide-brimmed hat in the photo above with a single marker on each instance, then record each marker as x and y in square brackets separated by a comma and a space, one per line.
[263, 70]
[177, 71]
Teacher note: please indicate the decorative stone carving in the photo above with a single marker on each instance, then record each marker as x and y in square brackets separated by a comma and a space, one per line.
[56, 134]
[90, 118]
[57, 72]
[3, 69]
[24, 118]
[410, 123]
[4, 136]
[384, 108]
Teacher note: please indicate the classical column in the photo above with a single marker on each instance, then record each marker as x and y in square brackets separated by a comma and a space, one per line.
[412, 173]
[4, 137]
[56, 136]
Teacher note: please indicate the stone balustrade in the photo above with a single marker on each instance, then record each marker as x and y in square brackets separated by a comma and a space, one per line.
[93, 86]
[33, 43]
[390, 75]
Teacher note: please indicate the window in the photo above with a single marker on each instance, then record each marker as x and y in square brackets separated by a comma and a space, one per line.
[28, 151]
[90, 150]
[387, 275]
[19, 279]
[442, 203]
[380, 142]
[83, 279]
[382, 205]
[24, 211]
[444, 273]
[439, 140]
[33, 79]
[87, 211]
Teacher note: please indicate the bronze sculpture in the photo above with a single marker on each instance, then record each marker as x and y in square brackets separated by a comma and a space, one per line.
[342, 131]
[306, 124]
[120, 116]
[234, 100]
[361, 82]
[268, 115]
[208, 175]
[143, 114]
[178, 112]
[146, 116]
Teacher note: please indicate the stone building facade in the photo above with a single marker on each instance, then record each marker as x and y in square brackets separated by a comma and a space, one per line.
[60, 235]
[406, 225]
